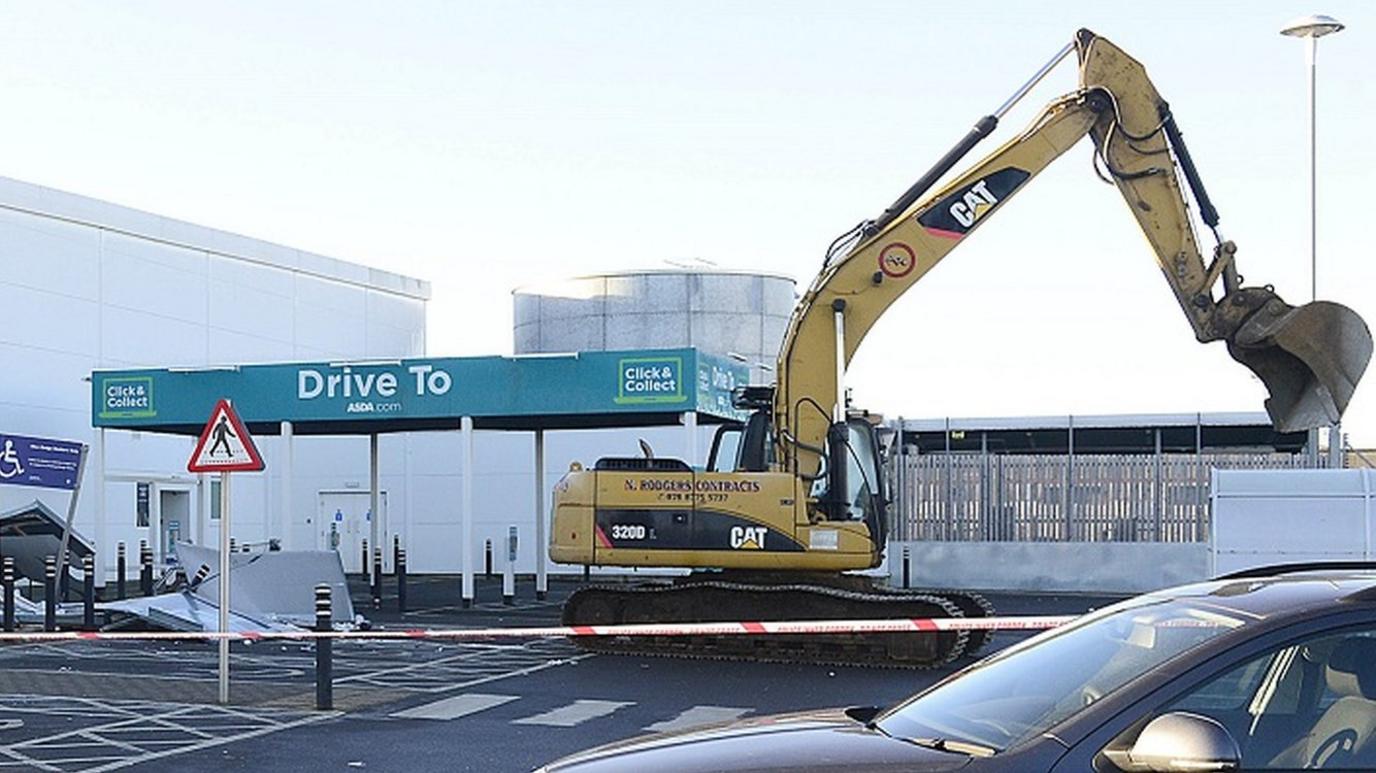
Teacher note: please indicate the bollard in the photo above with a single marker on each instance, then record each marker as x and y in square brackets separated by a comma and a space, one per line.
[88, 593]
[487, 559]
[509, 570]
[200, 576]
[50, 593]
[233, 545]
[396, 550]
[377, 577]
[145, 568]
[120, 568]
[324, 666]
[906, 567]
[401, 580]
[587, 573]
[8, 578]
[364, 570]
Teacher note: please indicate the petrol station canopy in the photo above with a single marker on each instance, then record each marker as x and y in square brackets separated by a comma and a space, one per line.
[541, 392]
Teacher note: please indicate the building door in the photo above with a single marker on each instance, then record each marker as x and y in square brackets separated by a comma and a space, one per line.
[172, 520]
[345, 523]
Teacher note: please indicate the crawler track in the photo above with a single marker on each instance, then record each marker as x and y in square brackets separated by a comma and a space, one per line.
[714, 597]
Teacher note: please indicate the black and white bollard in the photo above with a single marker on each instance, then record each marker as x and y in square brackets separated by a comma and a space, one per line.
[8, 578]
[377, 577]
[145, 568]
[509, 570]
[199, 577]
[907, 566]
[88, 593]
[396, 550]
[50, 593]
[401, 580]
[120, 567]
[366, 558]
[324, 665]
[487, 559]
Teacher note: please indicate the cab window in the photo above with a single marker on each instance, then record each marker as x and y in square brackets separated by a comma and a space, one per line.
[725, 448]
[862, 473]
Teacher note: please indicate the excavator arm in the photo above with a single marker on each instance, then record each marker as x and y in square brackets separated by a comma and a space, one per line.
[1309, 358]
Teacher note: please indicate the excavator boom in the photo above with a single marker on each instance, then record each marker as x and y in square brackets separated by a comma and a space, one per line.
[1309, 358]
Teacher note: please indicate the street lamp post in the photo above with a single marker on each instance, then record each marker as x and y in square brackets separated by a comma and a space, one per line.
[1311, 28]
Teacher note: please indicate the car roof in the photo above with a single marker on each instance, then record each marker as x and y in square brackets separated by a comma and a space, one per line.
[1298, 590]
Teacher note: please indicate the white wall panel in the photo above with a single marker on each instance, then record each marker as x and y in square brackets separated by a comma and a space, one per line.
[264, 279]
[1265, 517]
[336, 296]
[48, 380]
[251, 311]
[151, 339]
[68, 254]
[228, 347]
[386, 342]
[146, 281]
[330, 329]
[39, 319]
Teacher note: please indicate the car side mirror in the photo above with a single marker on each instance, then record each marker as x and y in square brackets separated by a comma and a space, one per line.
[1180, 741]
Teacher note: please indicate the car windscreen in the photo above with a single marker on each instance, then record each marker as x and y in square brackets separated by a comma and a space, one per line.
[1029, 688]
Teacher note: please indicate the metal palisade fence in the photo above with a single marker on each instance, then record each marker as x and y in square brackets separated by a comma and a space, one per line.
[965, 497]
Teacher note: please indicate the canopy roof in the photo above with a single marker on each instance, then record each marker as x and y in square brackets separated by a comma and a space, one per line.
[573, 391]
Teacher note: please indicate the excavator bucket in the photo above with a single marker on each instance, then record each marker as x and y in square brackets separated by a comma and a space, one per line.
[1310, 358]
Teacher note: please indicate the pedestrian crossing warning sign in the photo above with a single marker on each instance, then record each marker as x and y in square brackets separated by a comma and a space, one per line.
[225, 445]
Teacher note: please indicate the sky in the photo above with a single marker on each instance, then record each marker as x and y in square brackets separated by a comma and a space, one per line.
[483, 146]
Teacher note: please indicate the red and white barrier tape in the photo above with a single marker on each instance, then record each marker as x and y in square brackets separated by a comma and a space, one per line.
[903, 625]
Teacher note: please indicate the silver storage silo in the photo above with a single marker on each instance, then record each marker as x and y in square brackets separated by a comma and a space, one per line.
[737, 314]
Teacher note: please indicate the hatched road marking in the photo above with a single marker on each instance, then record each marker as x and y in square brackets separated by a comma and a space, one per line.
[575, 713]
[697, 716]
[85, 734]
[457, 706]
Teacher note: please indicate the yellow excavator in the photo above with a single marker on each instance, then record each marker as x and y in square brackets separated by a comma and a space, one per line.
[795, 497]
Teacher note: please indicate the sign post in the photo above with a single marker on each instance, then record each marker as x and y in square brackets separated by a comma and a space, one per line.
[224, 447]
[46, 463]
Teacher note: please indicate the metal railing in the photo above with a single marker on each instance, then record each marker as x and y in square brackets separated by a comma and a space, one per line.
[971, 497]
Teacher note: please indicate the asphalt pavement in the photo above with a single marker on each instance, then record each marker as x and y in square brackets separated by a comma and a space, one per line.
[406, 706]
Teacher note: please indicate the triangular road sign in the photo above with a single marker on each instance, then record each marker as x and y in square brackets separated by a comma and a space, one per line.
[225, 445]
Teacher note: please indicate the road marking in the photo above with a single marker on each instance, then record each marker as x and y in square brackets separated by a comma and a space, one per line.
[126, 733]
[457, 706]
[697, 716]
[573, 714]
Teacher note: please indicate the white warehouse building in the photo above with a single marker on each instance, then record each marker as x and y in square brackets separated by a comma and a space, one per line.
[97, 286]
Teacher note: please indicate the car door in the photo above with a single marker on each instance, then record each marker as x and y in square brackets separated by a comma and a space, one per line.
[1274, 695]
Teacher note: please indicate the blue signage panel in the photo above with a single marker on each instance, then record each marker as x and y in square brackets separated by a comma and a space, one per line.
[35, 461]
[587, 383]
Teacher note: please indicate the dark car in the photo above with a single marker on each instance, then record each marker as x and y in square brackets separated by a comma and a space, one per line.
[1273, 669]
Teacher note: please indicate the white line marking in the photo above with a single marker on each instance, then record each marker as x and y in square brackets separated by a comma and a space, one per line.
[573, 714]
[100, 739]
[215, 742]
[28, 762]
[697, 716]
[457, 706]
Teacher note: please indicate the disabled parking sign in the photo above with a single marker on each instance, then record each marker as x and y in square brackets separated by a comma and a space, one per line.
[43, 462]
